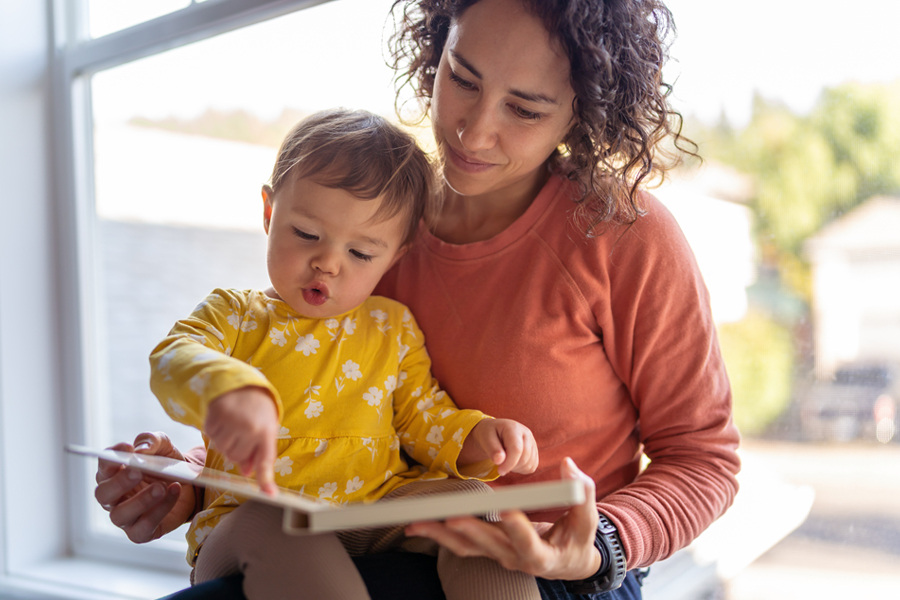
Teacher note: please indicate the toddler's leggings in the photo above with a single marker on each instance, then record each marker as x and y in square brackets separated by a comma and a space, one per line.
[277, 565]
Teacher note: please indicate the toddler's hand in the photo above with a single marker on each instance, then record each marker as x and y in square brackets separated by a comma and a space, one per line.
[243, 425]
[507, 443]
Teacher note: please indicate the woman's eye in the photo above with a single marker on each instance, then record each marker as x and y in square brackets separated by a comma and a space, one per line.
[526, 114]
[305, 236]
[361, 255]
[466, 85]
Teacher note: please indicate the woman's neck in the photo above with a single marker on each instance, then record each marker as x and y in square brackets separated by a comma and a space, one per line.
[470, 219]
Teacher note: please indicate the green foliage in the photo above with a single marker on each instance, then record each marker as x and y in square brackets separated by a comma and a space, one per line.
[811, 169]
[758, 354]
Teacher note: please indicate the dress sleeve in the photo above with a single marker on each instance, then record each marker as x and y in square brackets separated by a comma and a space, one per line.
[193, 364]
[658, 332]
[431, 427]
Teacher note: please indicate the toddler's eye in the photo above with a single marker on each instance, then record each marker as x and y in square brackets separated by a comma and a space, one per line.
[361, 256]
[305, 236]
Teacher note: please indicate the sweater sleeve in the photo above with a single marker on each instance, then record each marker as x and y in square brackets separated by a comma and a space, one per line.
[193, 365]
[431, 427]
[658, 332]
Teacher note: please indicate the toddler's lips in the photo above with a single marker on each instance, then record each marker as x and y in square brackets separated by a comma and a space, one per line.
[315, 296]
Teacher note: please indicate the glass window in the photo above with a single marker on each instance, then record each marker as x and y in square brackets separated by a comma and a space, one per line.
[109, 16]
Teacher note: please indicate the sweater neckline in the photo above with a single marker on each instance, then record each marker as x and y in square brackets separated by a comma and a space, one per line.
[505, 238]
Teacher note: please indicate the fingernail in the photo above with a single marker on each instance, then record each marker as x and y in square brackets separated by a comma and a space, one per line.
[142, 446]
[156, 492]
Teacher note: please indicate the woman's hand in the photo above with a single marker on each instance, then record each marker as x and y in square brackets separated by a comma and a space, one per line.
[507, 443]
[243, 426]
[145, 508]
[561, 550]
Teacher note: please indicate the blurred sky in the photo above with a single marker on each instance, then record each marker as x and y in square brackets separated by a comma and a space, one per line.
[330, 55]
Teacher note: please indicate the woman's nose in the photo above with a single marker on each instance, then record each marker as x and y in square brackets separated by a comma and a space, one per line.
[478, 129]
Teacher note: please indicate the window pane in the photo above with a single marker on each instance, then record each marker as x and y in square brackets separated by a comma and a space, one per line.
[183, 142]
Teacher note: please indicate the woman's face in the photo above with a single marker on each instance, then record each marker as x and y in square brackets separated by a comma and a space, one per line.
[502, 100]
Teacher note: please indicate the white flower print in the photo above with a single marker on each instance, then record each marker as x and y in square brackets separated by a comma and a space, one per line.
[373, 396]
[284, 433]
[320, 449]
[249, 325]
[202, 305]
[348, 325]
[201, 532]
[402, 379]
[425, 403]
[407, 323]
[219, 335]
[370, 444]
[332, 324]
[351, 370]
[380, 320]
[228, 499]
[313, 410]
[353, 485]
[198, 383]
[390, 384]
[206, 355]
[197, 337]
[448, 468]
[312, 389]
[388, 474]
[175, 408]
[458, 436]
[165, 361]
[402, 349]
[228, 465]
[307, 344]
[436, 435]
[432, 453]
[418, 391]
[283, 465]
[234, 320]
[278, 338]
[328, 490]
[395, 443]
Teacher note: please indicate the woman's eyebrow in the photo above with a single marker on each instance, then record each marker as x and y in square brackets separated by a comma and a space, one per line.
[527, 96]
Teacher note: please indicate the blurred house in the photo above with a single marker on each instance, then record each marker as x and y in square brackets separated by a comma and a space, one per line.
[856, 294]
[709, 204]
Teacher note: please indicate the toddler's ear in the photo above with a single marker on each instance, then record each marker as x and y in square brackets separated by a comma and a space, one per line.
[267, 196]
[403, 250]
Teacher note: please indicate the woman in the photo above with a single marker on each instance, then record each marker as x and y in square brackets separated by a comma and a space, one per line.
[551, 289]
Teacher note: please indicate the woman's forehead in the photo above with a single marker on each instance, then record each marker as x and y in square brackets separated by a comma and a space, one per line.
[502, 38]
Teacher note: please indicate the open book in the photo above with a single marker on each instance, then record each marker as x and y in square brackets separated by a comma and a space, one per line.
[307, 514]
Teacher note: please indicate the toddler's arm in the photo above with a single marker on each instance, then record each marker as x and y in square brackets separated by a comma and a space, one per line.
[243, 426]
[507, 443]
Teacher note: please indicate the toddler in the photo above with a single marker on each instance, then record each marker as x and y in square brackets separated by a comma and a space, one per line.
[315, 385]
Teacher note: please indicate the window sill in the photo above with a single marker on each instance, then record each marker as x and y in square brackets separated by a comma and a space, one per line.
[85, 579]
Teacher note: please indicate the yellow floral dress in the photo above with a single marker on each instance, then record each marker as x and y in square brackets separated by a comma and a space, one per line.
[351, 391]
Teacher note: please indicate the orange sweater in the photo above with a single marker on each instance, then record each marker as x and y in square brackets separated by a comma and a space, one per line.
[604, 347]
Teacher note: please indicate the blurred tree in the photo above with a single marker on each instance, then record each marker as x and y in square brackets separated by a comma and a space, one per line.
[810, 169]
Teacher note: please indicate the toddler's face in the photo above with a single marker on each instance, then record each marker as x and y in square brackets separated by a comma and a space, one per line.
[326, 253]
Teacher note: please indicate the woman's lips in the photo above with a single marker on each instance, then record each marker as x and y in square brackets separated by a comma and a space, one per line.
[464, 164]
[316, 294]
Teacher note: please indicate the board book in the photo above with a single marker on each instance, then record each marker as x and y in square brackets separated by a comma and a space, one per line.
[308, 514]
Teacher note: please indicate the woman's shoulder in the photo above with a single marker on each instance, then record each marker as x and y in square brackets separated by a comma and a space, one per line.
[569, 228]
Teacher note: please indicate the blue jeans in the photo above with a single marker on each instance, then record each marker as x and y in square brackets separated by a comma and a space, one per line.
[406, 576]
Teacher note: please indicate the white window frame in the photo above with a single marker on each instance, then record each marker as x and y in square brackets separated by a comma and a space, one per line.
[48, 345]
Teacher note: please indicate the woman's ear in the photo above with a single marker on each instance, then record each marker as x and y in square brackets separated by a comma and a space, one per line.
[267, 195]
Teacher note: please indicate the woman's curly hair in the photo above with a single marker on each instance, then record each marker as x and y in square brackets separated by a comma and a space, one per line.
[616, 50]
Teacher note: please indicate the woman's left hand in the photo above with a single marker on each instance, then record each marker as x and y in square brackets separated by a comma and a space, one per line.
[561, 550]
